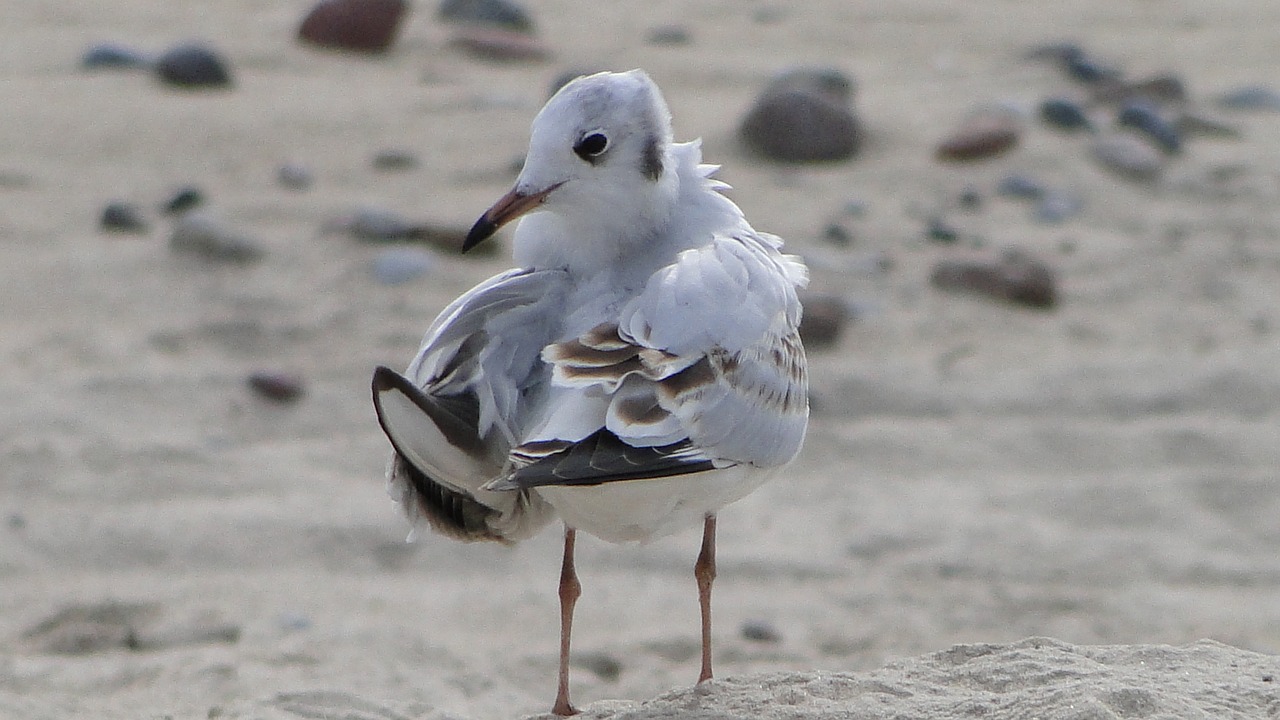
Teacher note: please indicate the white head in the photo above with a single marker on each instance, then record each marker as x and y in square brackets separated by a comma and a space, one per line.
[599, 164]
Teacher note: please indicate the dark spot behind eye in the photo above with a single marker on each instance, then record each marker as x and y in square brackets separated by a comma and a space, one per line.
[591, 147]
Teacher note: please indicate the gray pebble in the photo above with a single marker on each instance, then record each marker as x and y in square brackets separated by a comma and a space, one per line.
[1065, 114]
[373, 224]
[940, 231]
[1129, 156]
[1143, 116]
[193, 66]
[281, 387]
[295, 176]
[402, 264]
[201, 235]
[669, 35]
[1022, 187]
[395, 160]
[497, 13]
[1251, 97]
[803, 115]
[1058, 206]
[182, 200]
[113, 56]
[837, 234]
[760, 631]
[123, 217]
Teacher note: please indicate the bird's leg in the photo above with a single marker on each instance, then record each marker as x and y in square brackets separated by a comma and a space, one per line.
[570, 589]
[705, 571]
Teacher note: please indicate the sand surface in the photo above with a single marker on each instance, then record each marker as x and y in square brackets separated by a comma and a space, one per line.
[1105, 473]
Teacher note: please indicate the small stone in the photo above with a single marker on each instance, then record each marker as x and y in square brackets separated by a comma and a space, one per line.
[277, 386]
[193, 66]
[200, 234]
[982, 135]
[1065, 114]
[1058, 206]
[495, 13]
[293, 621]
[372, 224]
[182, 200]
[669, 35]
[113, 56]
[823, 320]
[399, 265]
[970, 198]
[837, 234]
[294, 176]
[123, 217]
[1192, 122]
[395, 160]
[1016, 277]
[368, 26]
[603, 665]
[1129, 156]
[939, 231]
[1143, 116]
[1089, 71]
[1165, 88]
[1022, 187]
[1251, 97]
[760, 631]
[803, 115]
[491, 43]
[15, 521]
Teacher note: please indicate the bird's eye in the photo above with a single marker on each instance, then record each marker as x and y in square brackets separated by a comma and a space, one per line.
[591, 146]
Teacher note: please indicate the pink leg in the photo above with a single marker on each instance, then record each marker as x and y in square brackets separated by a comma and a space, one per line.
[570, 589]
[705, 571]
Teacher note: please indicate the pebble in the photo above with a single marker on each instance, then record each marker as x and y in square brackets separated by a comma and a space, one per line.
[939, 231]
[1022, 187]
[1015, 277]
[1058, 206]
[123, 217]
[803, 115]
[294, 176]
[113, 56]
[837, 234]
[495, 13]
[497, 44]
[1129, 156]
[669, 35]
[603, 665]
[368, 26]
[823, 320]
[984, 134]
[395, 160]
[760, 631]
[183, 199]
[373, 224]
[970, 198]
[199, 234]
[1196, 123]
[1251, 97]
[1065, 114]
[281, 387]
[402, 264]
[1089, 71]
[1143, 116]
[193, 66]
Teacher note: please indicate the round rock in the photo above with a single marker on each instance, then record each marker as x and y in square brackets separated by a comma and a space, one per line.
[121, 217]
[277, 386]
[368, 26]
[113, 56]
[803, 115]
[193, 66]
[496, 13]
[201, 235]
[1129, 156]
[984, 134]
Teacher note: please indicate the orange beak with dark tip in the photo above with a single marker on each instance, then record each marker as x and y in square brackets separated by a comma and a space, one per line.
[508, 208]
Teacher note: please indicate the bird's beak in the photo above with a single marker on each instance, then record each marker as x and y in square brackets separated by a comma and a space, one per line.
[508, 208]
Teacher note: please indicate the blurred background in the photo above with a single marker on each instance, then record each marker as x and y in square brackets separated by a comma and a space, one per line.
[1042, 325]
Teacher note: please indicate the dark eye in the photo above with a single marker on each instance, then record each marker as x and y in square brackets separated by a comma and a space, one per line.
[591, 146]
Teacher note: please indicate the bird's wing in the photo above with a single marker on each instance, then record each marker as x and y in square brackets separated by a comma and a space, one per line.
[703, 369]
[452, 416]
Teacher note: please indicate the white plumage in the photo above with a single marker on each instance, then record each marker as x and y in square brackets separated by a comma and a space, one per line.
[641, 369]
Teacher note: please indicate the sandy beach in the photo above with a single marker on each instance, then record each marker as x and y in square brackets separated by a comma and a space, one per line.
[1103, 475]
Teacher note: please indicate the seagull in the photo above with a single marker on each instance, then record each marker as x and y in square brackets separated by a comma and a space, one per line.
[638, 370]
